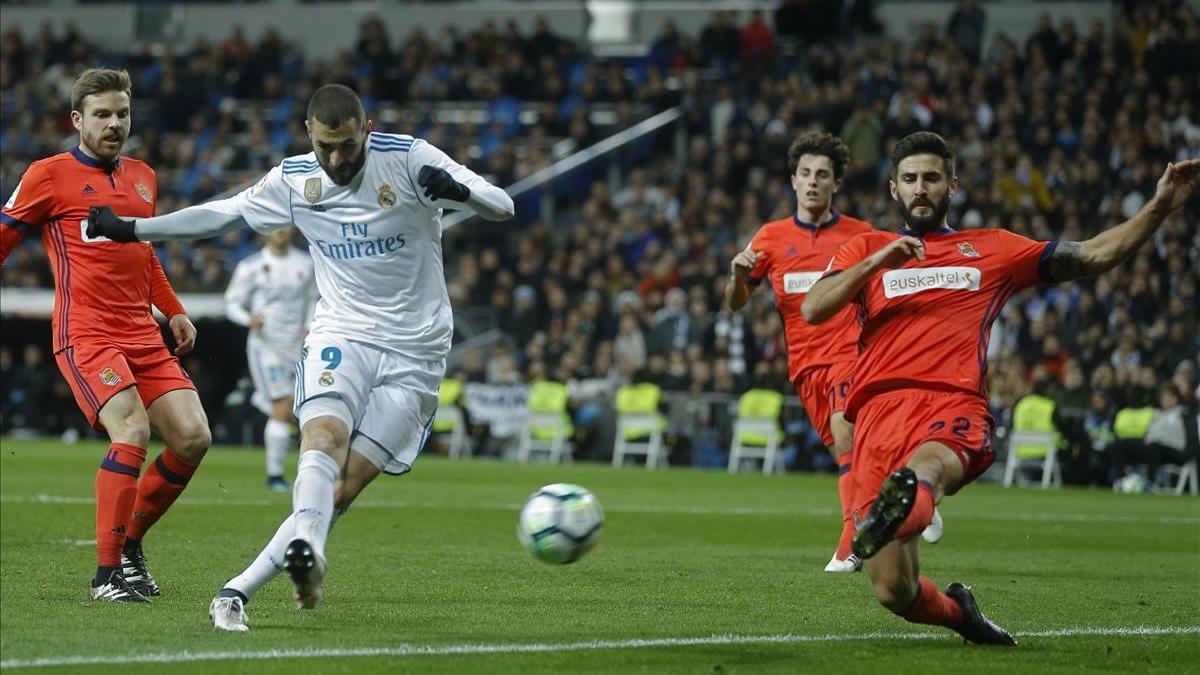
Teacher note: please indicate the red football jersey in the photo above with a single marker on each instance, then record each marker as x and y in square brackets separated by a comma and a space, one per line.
[794, 254]
[103, 289]
[926, 324]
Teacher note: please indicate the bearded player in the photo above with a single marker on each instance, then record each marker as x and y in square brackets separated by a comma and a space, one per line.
[927, 297]
[106, 342]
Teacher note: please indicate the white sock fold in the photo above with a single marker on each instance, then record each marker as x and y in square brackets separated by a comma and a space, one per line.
[312, 498]
[278, 438]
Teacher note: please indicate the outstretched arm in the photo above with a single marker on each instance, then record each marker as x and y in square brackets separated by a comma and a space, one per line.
[195, 222]
[1078, 259]
[265, 206]
[828, 296]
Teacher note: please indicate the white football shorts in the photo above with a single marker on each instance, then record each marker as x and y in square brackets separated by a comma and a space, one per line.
[386, 399]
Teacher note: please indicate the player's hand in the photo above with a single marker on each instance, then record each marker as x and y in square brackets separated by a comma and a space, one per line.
[102, 222]
[256, 323]
[184, 333]
[743, 262]
[439, 184]
[1178, 183]
[899, 252]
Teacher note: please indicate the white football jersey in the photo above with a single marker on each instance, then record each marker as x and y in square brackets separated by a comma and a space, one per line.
[376, 243]
[282, 290]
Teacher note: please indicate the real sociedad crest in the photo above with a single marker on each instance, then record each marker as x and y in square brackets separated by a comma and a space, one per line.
[312, 189]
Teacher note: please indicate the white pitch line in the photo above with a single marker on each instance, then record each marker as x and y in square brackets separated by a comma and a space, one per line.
[685, 510]
[552, 647]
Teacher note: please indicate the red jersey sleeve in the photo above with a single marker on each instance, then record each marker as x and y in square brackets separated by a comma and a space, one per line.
[28, 208]
[761, 243]
[1027, 260]
[850, 253]
[161, 293]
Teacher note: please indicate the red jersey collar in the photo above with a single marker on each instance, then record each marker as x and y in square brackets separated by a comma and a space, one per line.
[812, 226]
[95, 163]
[909, 232]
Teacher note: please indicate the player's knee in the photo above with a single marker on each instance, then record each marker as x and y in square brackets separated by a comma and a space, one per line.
[327, 438]
[132, 428]
[192, 441]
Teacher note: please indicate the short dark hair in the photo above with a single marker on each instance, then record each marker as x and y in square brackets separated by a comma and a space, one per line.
[820, 144]
[99, 81]
[924, 143]
[333, 104]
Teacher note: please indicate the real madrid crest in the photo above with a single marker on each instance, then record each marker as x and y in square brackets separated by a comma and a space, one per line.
[143, 192]
[326, 379]
[387, 198]
[312, 189]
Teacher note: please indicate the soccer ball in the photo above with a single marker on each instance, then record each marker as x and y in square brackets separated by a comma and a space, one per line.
[559, 523]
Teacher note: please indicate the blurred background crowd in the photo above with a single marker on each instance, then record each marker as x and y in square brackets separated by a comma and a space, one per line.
[1059, 137]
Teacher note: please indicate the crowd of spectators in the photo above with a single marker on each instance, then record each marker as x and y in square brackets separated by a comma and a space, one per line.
[1058, 137]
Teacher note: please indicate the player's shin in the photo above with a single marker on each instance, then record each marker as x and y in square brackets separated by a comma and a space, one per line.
[846, 497]
[116, 491]
[278, 438]
[933, 607]
[312, 497]
[164, 481]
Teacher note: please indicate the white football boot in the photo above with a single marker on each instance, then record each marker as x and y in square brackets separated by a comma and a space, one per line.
[847, 566]
[228, 614]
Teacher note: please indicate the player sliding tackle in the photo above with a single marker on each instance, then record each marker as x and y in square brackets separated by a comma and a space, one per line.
[928, 296]
[370, 206]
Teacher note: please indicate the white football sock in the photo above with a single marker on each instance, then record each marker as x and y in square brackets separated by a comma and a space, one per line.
[312, 498]
[278, 438]
[269, 562]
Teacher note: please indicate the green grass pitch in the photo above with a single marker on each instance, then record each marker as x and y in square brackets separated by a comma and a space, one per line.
[696, 572]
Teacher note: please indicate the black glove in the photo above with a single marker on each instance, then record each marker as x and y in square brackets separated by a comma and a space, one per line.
[102, 222]
[439, 184]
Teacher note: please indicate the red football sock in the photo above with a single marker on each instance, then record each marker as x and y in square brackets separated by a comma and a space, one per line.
[934, 607]
[157, 491]
[918, 519]
[116, 488]
[846, 496]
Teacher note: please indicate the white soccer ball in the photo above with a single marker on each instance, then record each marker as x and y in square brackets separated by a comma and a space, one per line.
[559, 523]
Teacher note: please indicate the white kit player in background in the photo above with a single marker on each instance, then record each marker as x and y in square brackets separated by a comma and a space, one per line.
[273, 293]
[370, 206]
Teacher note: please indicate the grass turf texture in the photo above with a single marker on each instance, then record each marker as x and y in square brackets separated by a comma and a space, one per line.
[431, 561]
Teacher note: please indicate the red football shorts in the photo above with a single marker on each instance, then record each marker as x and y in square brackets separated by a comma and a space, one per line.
[891, 426]
[823, 392]
[97, 371]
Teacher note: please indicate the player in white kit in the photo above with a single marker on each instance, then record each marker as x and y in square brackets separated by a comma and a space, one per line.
[273, 293]
[370, 206]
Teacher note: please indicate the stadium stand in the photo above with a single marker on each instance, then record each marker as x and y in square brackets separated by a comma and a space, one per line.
[1059, 136]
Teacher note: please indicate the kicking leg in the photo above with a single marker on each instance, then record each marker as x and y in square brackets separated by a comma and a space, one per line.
[228, 608]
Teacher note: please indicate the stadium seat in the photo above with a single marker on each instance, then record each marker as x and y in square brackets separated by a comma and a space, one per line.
[756, 431]
[1029, 446]
[639, 424]
[1185, 477]
[449, 418]
[548, 427]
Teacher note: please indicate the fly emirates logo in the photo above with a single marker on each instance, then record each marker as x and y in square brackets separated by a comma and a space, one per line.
[897, 283]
